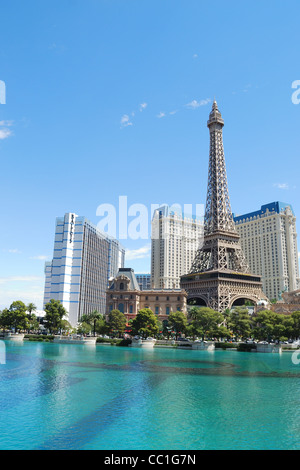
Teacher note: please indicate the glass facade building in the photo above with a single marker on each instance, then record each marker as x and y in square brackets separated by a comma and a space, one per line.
[144, 281]
[84, 260]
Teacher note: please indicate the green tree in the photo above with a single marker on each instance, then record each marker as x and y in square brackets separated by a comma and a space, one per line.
[5, 320]
[32, 323]
[178, 322]
[270, 325]
[55, 313]
[239, 322]
[65, 326]
[145, 323]
[166, 329]
[117, 322]
[221, 332]
[205, 321]
[101, 327]
[84, 328]
[92, 319]
[31, 308]
[295, 333]
[17, 318]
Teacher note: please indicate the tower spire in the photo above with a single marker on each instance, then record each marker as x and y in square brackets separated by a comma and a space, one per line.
[219, 275]
[221, 248]
[218, 214]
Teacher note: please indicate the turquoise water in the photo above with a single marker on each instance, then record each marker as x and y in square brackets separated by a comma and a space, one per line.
[84, 397]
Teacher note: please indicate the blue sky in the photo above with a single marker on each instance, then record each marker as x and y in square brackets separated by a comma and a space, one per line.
[73, 133]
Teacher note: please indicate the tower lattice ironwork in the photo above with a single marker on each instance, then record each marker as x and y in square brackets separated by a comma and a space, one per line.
[221, 248]
[220, 274]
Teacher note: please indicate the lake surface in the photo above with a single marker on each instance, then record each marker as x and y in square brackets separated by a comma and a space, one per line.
[83, 397]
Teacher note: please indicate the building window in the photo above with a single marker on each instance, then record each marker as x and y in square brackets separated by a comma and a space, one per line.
[121, 308]
[168, 298]
[157, 299]
[156, 310]
[167, 310]
[122, 286]
[130, 309]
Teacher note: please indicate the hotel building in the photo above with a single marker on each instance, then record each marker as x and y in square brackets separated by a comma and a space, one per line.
[174, 243]
[84, 260]
[269, 241]
[124, 294]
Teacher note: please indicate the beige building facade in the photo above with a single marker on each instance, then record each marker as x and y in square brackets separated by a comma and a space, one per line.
[175, 240]
[269, 241]
[124, 294]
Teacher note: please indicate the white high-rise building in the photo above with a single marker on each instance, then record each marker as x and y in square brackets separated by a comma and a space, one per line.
[84, 260]
[174, 242]
[269, 241]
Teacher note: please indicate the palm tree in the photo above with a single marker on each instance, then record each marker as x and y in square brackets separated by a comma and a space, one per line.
[91, 319]
[30, 308]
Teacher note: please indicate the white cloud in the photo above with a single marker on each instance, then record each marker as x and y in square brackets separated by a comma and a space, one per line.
[247, 87]
[196, 104]
[5, 280]
[125, 121]
[281, 185]
[25, 288]
[6, 123]
[173, 112]
[143, 106]
[161, 115]
[195, 56]
[13, 250]
[5, 133]
[40, 257]
[35, 295]
[143, 252]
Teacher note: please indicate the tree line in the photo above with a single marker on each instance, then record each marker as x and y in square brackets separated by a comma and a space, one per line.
[21, 317]
[200, 322]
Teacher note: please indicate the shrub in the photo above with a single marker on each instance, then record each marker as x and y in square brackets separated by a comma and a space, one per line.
[39, 338]
[124, 342]
[225, 345]
[245, 347]
[103, 340]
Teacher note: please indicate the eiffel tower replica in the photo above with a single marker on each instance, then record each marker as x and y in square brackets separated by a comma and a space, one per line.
[219, 275]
